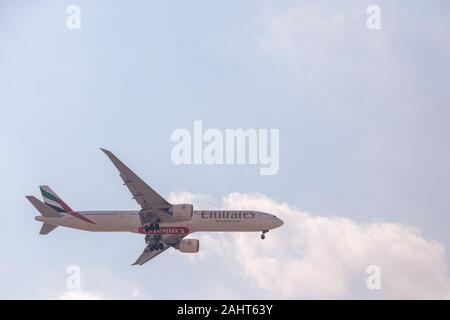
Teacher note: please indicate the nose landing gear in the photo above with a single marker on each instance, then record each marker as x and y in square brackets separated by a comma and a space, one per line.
[263, 236]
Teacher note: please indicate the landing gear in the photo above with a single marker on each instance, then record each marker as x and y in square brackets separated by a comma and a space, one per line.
[156, 246]
[263, 236]
[154, 242]
[152, 227]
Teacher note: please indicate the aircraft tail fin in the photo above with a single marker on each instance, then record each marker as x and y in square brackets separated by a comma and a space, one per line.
[47, 228]
[43, 209]
[52, 200]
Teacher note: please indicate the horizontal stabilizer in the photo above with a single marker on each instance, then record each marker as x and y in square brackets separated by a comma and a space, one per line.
[47, 228]
[43, 209]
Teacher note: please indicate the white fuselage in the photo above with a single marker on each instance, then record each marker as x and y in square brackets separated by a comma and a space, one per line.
[202, 220]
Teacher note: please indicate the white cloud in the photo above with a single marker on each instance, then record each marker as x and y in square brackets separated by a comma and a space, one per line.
[327, 257]
[79, 295]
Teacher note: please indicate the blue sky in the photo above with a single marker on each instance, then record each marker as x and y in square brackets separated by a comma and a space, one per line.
[363, 118]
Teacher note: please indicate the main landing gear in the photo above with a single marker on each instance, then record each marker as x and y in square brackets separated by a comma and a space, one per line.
[154, 242]
[263, 236]
[151, 227]
[156, 246]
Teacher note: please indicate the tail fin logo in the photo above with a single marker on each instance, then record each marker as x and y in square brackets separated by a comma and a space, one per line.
[52, 200]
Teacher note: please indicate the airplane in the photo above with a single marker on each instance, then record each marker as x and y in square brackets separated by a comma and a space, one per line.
[164, 225]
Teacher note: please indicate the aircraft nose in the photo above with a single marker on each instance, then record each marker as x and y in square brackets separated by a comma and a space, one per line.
[278, 222]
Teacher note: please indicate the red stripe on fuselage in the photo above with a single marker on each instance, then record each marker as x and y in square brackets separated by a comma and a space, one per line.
[166, 230]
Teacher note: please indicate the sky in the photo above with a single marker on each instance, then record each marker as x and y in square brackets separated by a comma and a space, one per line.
[363, 115]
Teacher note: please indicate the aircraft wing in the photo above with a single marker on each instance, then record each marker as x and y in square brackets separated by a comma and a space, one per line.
[144, 195]
[167, 242]
[146, 255]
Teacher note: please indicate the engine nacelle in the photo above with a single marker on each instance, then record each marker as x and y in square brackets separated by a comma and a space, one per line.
[189, 245]
[182, 211]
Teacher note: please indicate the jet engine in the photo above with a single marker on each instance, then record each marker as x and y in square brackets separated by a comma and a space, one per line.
[189, 245]
[182, 212]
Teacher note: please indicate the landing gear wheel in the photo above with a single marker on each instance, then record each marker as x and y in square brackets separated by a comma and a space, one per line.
[263, 236]
[151, 227]
[161, 246]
